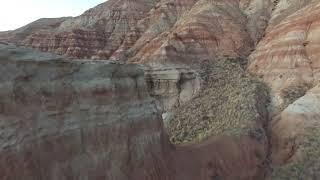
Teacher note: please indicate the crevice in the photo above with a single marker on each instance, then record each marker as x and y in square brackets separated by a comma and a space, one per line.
[305, 44]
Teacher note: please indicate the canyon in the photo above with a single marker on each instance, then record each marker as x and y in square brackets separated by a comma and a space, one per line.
[164, 89]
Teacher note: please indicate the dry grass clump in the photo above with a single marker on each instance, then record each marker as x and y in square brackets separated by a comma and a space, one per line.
[292, 93]
[231, 102]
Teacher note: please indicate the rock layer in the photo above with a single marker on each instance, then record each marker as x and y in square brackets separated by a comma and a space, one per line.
[65, 120]
[157, 31]
[40, 99]
[209, 29]
[172, 86]
[68, 119]
[287, 58]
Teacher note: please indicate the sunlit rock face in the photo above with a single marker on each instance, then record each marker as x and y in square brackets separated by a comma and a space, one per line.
[69, 120]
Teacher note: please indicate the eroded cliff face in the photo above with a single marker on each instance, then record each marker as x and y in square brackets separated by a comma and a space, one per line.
[64, 120]
[172, 86]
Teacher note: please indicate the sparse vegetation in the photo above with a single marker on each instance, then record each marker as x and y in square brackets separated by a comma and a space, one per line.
[292, 93]
[231, 102]
[308, 166]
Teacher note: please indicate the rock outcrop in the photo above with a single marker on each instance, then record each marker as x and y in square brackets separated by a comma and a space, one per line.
[172, 86]
[71, 120]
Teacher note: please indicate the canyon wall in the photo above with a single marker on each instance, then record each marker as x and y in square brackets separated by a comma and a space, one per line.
[64, 120]
[53, 108]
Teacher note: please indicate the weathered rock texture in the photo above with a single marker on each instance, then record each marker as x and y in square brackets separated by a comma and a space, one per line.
[70, 120]
[176, 39]
[287, 59]
[209, 29]
[288, 56]
[172, 86]
[152, 31]
[44, 25]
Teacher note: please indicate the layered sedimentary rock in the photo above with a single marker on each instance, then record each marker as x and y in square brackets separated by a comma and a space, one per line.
[287, 58]
[100, 120]
[209, 29]
[172, 86]
[43, 25]
[157, 31]
[284, 8]
[100, 32]
[70, 120]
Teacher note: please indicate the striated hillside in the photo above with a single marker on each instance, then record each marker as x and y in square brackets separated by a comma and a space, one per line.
[287, 59]
[235, 81]
[153, 30]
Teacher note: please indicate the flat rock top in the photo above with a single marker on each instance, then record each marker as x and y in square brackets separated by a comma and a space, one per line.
[12, 52]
